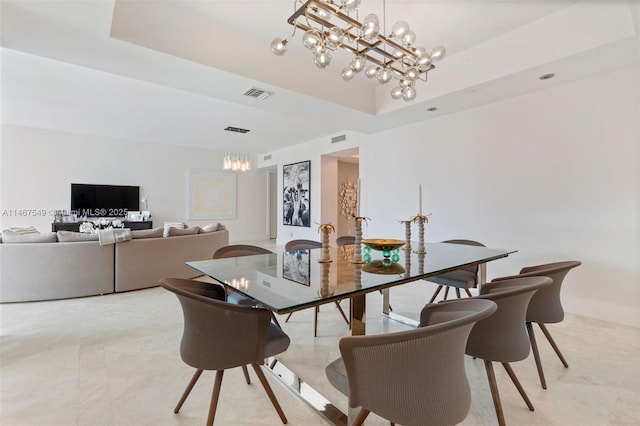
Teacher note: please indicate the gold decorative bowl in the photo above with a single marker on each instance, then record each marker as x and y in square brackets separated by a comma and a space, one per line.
[382, 244]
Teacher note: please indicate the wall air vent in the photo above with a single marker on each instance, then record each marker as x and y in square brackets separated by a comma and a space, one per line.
[259, 94]
[266, 157]
[337, 139]
[236, 129]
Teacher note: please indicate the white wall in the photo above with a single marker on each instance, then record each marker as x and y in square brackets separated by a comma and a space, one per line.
[552, 174]
[38, 166]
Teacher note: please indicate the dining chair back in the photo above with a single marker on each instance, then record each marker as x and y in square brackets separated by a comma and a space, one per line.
[502, 336]
[345, 240]
[210, 336]
[237, 250]
[545, 306]
[413, 377]
[463, 278]
[302, 245]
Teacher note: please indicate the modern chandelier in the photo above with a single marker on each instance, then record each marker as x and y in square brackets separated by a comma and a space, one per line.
[236, 162]
[330, 25]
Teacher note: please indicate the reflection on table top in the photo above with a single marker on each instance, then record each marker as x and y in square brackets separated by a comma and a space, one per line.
[289, 281]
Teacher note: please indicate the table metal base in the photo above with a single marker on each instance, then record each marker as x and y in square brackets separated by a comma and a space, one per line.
[304, 391]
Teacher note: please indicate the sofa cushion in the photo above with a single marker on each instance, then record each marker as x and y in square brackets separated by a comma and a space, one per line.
[27, 230]
[169, 225]
[148, 233]
[71, 236]
[211, 228]
[188, 231]
[10, 237]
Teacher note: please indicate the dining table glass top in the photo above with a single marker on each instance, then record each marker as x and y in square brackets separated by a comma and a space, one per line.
[292, 280]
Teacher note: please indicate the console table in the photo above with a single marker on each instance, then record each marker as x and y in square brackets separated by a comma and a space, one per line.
[75, 226]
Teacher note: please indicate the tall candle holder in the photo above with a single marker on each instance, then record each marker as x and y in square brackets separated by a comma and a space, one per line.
[420, 219]
[357, 245]
[324, 230]
[407, 234]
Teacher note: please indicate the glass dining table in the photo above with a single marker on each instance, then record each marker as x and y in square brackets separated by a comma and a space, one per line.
[289, 281]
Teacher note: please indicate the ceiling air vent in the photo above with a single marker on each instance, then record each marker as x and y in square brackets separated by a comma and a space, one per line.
[259, 94]
[236, 129]
[266, 157]
[337, 139]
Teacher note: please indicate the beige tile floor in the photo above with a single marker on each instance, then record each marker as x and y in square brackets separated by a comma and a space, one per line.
[114, 360]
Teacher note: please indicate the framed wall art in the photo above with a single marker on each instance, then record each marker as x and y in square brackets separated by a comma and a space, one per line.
[212, 195]
[296, 194]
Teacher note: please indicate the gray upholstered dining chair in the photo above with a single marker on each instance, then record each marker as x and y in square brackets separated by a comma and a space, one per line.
[306, 245]
[345, 240]
[413, 377]
[210, 337]
[545, 306]
[463, 278]
[502, 336]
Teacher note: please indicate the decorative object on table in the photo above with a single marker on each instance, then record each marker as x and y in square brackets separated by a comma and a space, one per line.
[325, 230]
[420, 219]
[330, 24]
[92, 227]
[407, 234]
[357, 275]
[135, 216]
[357, 245]
[325, 290]
[296, 266]
[296, 194]
[212, 195]
[389, 248]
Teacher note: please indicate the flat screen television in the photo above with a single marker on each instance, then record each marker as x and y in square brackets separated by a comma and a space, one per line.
[104, 200]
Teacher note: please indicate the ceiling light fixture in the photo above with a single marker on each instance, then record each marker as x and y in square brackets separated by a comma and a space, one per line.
[328, 26]
[234, 161]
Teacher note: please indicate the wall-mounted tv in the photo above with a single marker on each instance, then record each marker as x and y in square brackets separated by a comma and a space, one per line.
[104, 200]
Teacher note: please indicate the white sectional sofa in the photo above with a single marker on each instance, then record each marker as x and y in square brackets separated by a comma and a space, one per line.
[59, 270]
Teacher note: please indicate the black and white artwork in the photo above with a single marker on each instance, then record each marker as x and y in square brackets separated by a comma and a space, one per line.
[297, 194]
[296, 266]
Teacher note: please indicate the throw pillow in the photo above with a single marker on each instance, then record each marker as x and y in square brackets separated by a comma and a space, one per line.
[148, 233]
[212, 228]
[28, 230]
[168, 225]
[71, 236]
[188, 231]
[10, 237]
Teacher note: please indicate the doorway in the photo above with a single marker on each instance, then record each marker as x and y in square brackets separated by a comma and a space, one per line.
[340, 172]
[272, 204]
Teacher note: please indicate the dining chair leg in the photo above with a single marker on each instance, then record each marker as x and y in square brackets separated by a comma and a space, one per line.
[275, 320]
[288, 316]
[435, 294]
[516, 382]
[187, 391]
[553, 344]
[468, 292]
[446, 293]
[269, 391]
[458, 293]
[362, 416]
[536, 354]
[246, 374]
[315, 321]
[217, 384]
[342, 312]
[494, 391]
